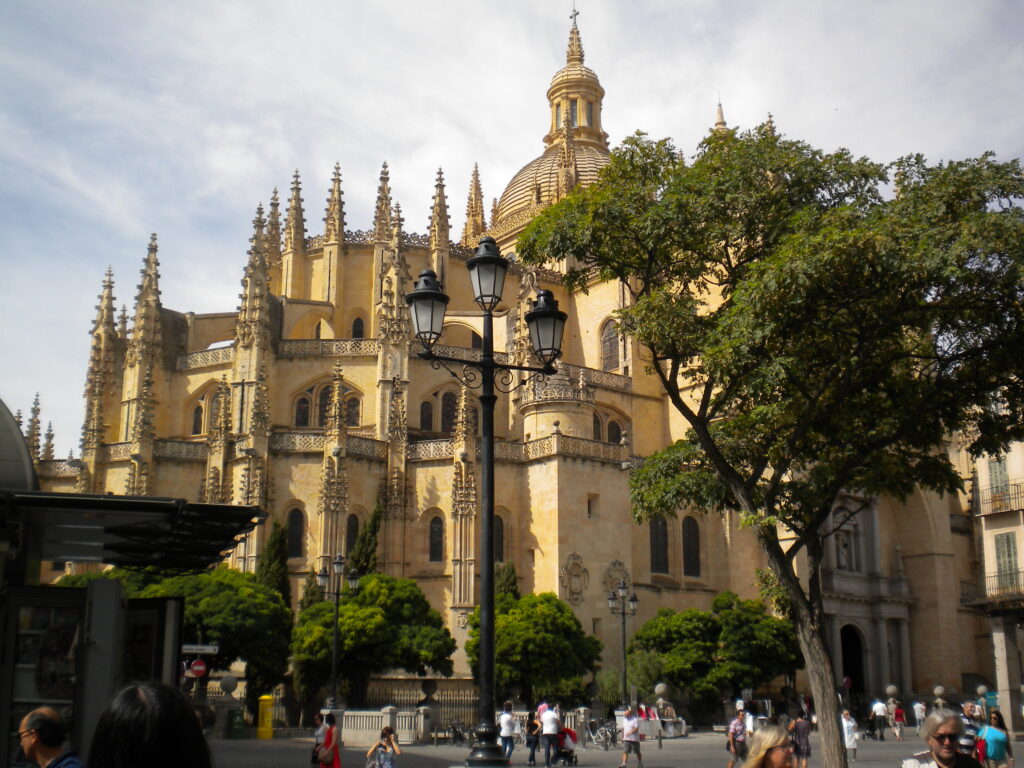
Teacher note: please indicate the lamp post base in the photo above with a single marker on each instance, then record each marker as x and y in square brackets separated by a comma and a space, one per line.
[486, 751]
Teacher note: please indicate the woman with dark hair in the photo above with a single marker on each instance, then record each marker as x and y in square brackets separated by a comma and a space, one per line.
[386, 748]
[149, 724]
[998, 752]
[329, 755]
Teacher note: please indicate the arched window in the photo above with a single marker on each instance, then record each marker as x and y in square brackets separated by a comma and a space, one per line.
[449, 409]
[302, 412]
[323, 404]
[316, 331]
[357, 328]
[427, 416]
[352, 412]
[597, 427]
[499, 540]
[691, 547]
[436, 539]
[351, 532]
[197, 420]
[614, 432]
[296, 532]
[609, 347]
[475, 341]
[659, 545]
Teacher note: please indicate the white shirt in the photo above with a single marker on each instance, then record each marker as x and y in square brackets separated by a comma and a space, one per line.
[507, 723]
[878, 709]
[850, 732]
[549, 722]
[630, 728]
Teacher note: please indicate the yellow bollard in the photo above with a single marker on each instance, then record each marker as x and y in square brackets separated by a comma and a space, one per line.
[265, 722]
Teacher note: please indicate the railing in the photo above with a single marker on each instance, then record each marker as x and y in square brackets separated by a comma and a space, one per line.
[558, 389]
[297, 442]
[58, 468]
[431, 449]
[367, 447]
[1005, 586]
[1003, 498]
[116, 451]
[328, 348]
[566, 445]
[595, 378]
[179, 449]
[204, 358]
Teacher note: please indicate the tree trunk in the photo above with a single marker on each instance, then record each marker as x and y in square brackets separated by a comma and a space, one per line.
[808, 612]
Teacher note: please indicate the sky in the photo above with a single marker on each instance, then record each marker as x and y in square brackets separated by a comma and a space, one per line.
[118, 119]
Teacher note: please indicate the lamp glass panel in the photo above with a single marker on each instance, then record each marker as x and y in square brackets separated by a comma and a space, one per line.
[546, 337]
[488, 279]
[428, 319]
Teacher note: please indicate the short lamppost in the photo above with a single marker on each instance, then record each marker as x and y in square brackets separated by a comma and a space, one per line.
[621, 607]
[427, 305]
[323, 578]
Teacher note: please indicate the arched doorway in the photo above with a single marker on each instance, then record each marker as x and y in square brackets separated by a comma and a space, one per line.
[853, 658]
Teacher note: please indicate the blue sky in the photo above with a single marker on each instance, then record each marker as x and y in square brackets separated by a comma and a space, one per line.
[118, 119]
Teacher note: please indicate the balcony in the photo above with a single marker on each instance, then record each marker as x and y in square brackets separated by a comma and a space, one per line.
[995, 592]
[1002, 498]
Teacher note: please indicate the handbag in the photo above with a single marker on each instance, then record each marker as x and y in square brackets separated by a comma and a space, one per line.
[981, 746]
[324, 756]
[371, 760]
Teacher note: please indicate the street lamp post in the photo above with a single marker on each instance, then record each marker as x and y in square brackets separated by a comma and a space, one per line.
[427, 305]
[617, 604]
[323, 578]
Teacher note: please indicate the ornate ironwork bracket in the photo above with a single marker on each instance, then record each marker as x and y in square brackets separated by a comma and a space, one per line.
[469, 372]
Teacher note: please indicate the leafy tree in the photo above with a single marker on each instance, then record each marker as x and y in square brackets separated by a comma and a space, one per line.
[272, 565]
[363, 558]
[386, 624]
[506, 586]
[133, 580]
[539, 647]
[735, 645]
[819, 339]
[311, 592]
[246, 619]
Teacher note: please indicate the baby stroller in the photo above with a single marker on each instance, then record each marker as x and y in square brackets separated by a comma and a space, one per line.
[566, 754]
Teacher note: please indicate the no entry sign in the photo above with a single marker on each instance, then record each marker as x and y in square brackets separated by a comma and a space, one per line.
[198, 667]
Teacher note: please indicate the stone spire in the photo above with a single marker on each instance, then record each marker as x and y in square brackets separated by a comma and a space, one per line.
[101, 375]
[146, 325]
[720, 124]
[334, 421]
[334, 218]
[32, 436]
[475, 224]
[295, 223]
[574, 53]
[382, 214]
[48, 442]
[259, 422]
[769, 124]
[273, 241]
[567, 172]
[440, 235]
[253, 325]
[122, 322]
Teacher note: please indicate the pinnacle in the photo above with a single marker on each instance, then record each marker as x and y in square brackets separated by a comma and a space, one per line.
[720, 123]
[574, 53]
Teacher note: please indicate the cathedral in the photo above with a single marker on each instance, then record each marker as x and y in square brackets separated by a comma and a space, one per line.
[310, 400]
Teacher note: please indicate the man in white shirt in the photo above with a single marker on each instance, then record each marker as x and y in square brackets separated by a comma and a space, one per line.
[549, 725]
[919, 715]
[631, 738]
[880, 715]
[507, 724]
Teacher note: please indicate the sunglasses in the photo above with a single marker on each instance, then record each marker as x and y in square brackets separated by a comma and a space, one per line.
[949, 738]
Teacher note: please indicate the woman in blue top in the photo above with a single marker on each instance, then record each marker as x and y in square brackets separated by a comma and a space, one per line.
[386, 748]
[998, 753]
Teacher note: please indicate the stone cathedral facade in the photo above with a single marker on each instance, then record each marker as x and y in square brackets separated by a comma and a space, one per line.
[308, 399]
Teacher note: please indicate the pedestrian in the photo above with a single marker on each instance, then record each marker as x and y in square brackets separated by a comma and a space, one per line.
[319, 734]
[969, 735]
[549, 727]
[737, 740]
[899, 721]
[998, 752]
[507, 730]
[800, 729]
[532, 737]
[631, 737]
[849, 735]
[386, 748]
[919, 714]
[149, 724]
[770, 748]
[329, 755]
[942, 730]
[41, 735]
[879, 718]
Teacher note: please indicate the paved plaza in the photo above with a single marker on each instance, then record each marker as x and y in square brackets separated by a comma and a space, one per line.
[699, 749]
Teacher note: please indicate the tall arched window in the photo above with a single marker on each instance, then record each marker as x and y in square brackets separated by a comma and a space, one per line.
[436, 539]
[323, 404]
[351, 532]
[597, 427]
[357, 328]
[659, 545]
[499, 539]
[449, 409]
[352, 412]
[296, 532]
[302, 412]
[197, 420]
[609, 347]
[427, 416]
[691, 547]
[614, 432]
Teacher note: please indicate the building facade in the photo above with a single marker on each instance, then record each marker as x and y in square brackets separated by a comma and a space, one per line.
[309, 399]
